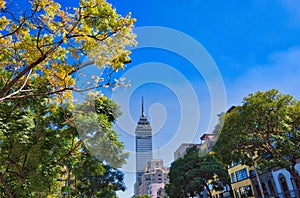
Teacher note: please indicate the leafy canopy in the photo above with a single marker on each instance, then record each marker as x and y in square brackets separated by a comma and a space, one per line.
[266, 125]
[36, 143]
[42, 49]
[189, 176]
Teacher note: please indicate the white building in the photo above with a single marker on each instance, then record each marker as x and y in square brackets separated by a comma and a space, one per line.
[285, 185]
[207, 142]
[182, 149]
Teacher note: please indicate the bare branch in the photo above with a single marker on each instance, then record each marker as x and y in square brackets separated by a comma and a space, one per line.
[59, 91]
[18, 91]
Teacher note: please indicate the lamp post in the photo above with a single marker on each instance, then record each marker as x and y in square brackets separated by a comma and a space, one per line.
[257, 177]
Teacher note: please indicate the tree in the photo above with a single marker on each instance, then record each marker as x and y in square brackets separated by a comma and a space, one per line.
[42, 49]
[36, 143]
[144, 196]
[94, 122]
[189, 176]
[95, 179]
[265, 126]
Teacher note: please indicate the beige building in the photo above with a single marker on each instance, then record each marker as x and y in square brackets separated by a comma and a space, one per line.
[153, 178]
[241, 180]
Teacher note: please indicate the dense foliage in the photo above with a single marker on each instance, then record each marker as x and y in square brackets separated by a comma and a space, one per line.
[189, 176]
[38, 145]
[143, 196]
[265, 126]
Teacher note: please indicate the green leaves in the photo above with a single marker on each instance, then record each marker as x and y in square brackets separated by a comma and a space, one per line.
[266, 123]
[36, 143]
[189, 175]
[93, 121]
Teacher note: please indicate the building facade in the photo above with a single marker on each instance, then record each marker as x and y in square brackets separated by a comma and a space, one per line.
[267, 182]
[207, 143]
[182, 149]
[240, 178]
[285, 184]
[152, 180]
[277, 183]
[272, 183]
[143, 143]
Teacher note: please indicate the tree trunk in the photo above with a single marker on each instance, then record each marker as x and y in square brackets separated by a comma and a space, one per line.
[6, 188]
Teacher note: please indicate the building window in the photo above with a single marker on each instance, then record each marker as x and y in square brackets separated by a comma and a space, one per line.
[233, 177]
[283, 183]
[271, 187]
[241, 174]
[246, 191]
[264, 188]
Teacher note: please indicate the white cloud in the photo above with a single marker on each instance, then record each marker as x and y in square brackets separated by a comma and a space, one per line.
[282, 73]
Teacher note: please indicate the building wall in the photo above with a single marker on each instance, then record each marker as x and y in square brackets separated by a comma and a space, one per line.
[276, 183]
[144, 153]
[267, 182]
[154, 177]
[283, 174]
[182, 149]
[153, 189]
[240, 180]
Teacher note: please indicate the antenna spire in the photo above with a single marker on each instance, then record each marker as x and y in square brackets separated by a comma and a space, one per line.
[143, 115]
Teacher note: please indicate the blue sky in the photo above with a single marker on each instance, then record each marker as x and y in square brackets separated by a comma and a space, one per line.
[255, 45]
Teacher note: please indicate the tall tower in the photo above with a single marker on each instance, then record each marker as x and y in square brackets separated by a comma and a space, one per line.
[143, 143]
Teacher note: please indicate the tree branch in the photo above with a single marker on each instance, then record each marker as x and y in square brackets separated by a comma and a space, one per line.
[6, 188]
[38, 40]
[83, 65]
[58, 91]
[18, 91]
[69, 153]
[8, 86]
